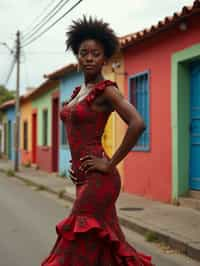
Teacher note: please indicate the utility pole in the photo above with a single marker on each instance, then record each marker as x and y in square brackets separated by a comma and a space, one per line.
[17, 111]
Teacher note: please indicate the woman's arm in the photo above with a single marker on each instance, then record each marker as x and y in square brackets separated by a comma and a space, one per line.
[131, 117]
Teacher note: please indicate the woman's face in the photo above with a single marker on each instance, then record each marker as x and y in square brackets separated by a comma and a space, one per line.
[91, 57]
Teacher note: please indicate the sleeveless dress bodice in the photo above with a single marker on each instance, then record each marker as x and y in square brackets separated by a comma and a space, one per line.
[84, 126]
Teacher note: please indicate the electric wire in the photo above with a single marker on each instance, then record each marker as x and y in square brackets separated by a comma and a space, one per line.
[45, 20]
[30, 26]
[51, 25]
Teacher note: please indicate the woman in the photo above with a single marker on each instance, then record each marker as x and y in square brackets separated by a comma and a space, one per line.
[91, 234]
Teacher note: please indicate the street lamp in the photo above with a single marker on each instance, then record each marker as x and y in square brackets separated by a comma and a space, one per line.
[6, 45]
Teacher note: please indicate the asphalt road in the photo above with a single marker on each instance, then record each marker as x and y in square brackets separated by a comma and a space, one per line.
[27, 227]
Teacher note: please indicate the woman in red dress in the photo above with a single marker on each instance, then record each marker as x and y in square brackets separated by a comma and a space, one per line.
[91, 235]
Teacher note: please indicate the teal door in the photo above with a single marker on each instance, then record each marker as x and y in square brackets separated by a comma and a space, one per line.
[195, 126]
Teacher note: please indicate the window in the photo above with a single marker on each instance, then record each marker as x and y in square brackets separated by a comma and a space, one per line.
[139, 97]
[64, 140]
[45, 127]
[25, 132]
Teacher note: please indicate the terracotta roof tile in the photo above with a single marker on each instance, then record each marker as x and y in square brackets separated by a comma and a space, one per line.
[186, 11]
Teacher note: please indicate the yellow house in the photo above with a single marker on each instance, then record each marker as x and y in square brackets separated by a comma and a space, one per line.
[26, 130]
[115, 128]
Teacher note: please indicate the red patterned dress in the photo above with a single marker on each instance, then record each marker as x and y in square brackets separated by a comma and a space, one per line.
[91, 235]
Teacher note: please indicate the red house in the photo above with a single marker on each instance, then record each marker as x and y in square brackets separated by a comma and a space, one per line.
[162, 66]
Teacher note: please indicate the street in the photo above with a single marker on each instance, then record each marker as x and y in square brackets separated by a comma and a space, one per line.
[28, 218]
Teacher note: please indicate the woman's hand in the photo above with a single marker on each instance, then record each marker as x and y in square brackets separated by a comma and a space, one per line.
[73, 177]
[92, 162]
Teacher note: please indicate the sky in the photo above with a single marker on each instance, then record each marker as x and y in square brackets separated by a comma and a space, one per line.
[48, 54]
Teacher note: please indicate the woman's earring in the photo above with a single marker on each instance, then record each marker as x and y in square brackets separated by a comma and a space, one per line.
[78, 68]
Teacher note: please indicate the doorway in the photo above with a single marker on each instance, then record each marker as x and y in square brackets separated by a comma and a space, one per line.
[195, 125]
[55, 127]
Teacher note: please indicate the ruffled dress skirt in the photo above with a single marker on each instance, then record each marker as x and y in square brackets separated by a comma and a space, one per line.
[91, 235]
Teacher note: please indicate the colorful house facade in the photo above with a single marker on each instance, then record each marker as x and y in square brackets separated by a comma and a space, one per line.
[26, 129]
[163, 82]
[8, 129]
[45, 129]
[69, 78]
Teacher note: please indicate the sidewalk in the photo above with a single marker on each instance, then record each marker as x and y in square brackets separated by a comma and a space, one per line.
[178, 227]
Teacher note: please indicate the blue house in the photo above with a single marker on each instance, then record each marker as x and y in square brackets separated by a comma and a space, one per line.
[69, 78]
[8, 124]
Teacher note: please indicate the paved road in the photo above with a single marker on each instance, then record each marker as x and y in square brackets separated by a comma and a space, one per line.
[28, 218]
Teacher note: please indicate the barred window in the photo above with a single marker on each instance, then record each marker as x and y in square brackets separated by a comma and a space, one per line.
[139, 97]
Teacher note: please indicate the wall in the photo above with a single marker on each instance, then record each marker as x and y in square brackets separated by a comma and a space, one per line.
[10, 115]
[150, 173]
[115, 127]
[43, 101]
[67, 85]
[26, 115]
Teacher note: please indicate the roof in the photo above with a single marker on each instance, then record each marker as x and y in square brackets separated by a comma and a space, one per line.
[42, 88]
[7, 104]
[168, 22]
[62, 71]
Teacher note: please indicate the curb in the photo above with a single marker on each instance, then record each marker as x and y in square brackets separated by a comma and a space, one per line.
[192, 251]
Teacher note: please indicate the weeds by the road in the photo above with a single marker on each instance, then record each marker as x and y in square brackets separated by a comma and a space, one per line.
[10, 172]
[151, 236]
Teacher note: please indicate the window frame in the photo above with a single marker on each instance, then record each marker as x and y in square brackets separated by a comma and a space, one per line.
[145, 148]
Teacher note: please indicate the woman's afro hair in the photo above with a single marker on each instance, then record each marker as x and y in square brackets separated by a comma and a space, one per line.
[85, 29]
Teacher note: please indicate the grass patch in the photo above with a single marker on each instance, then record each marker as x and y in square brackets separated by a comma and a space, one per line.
[10, 172]
[61, 194]
[151, 236]
[40, 187]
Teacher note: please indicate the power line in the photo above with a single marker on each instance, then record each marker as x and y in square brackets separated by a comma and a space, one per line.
[40, 15]
[45, 20]
[54, 23]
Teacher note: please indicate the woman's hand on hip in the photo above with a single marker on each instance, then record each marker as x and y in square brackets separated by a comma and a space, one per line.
[92, 162]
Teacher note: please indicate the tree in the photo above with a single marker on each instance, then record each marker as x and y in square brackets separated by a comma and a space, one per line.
[5, 94]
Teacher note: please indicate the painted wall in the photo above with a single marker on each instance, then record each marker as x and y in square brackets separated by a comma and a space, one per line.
[4, 124]
[44, 101]
[1, 139]
[26, 115]
[115, 127]
[67, 85]
[10, 115]
[150, 173]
